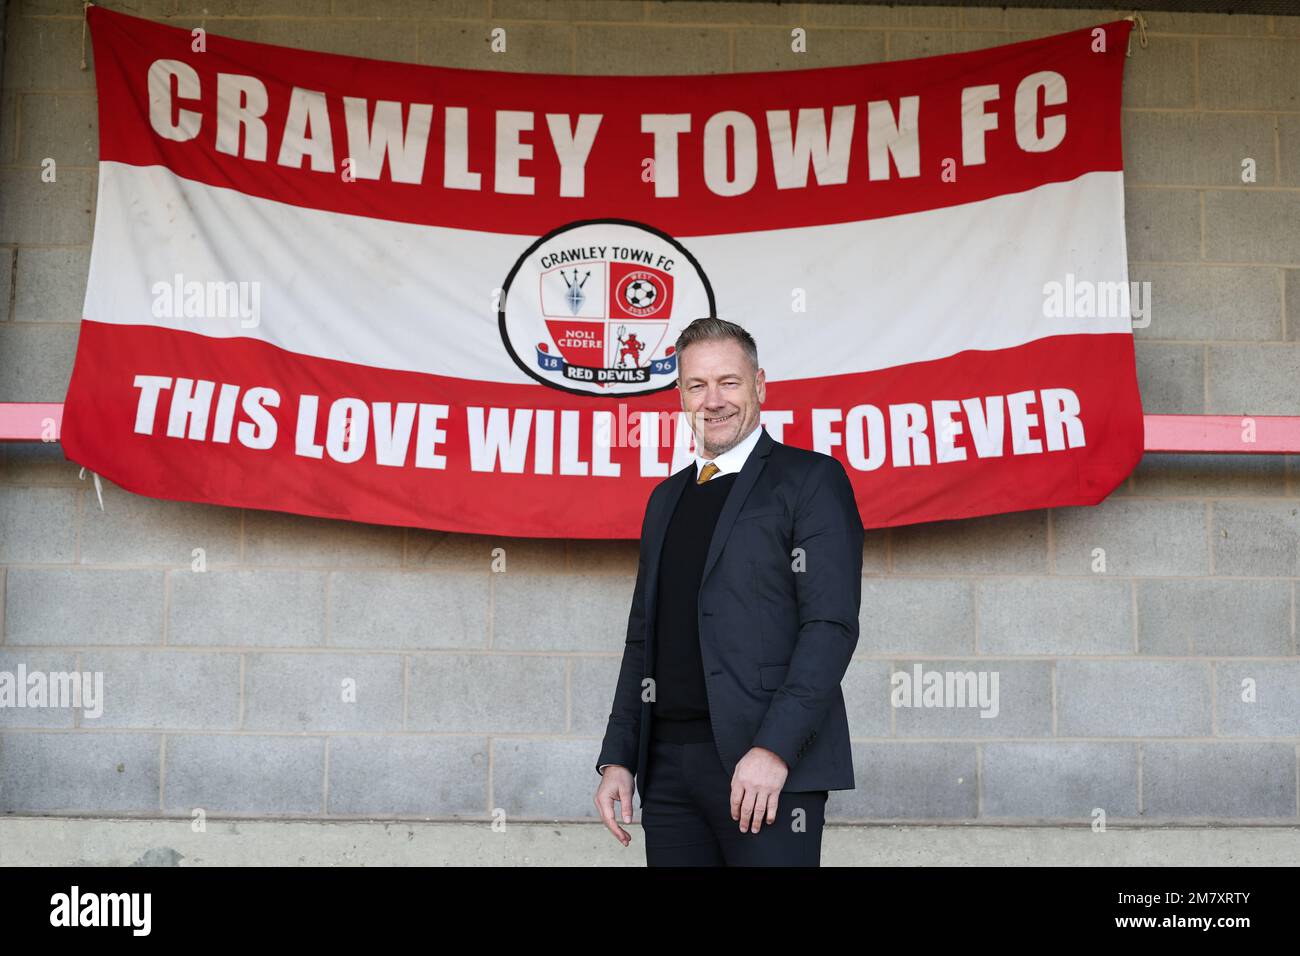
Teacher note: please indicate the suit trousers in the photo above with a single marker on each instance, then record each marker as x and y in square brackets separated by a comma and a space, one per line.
[686, 815]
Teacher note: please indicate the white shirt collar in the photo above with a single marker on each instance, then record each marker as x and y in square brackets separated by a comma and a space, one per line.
[734, 459]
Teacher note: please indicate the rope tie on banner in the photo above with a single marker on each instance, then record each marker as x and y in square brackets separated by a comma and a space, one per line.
[99, 489]
[1141, 23]
[85, 8]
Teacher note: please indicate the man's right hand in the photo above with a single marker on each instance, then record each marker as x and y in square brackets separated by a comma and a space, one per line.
[616, 785]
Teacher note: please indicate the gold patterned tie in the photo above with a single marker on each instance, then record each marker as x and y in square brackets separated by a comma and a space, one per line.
[707, 472]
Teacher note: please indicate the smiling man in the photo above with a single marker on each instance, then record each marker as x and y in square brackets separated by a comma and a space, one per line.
[728, 714]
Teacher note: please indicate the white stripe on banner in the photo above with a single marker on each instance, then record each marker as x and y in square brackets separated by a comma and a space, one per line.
[925, 285]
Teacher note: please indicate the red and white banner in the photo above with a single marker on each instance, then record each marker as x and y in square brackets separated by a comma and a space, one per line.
[447, 298]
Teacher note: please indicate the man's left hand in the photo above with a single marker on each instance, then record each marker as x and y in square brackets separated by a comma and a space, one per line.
[756, 788]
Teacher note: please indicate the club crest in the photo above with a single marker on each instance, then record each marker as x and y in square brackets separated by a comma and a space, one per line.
[594, 307]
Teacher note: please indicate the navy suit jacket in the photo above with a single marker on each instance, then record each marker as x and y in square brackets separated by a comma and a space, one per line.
[778, 618]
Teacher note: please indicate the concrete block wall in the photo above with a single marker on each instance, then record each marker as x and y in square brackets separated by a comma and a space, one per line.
[1120, 690]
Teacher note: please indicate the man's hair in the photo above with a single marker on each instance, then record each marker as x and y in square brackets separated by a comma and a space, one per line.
[712, 330]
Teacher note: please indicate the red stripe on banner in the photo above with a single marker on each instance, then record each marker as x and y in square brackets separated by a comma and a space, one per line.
[309, 475]
[616, 180]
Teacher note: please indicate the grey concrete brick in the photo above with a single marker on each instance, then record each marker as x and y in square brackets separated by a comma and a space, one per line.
[916, 616]
[37, 463]
[1288, 135]
[51, 284]
[1138, 537]
[591, 693]
[530, 47]
[1211, 302]
[1163, 76]
[995, 544]
[6, 281]
[1219, 780]
[1259, 538]
[592, 556]
[45, 716]
[46, 213]
[134, 529]
[409, 776]
[1242, 225]
[1273, 711]
[310, 692]
[78, 772]
[59, 126]
[1054, 616]
[42, 54]
[650, 50]
[376, 39]
[1292, 295]
[1249, 74]
[551, 10]
[866, 697]
[1022, 706]
[447, 693]
[75, 8]
[38, 525]
[770, 49]
[409, 609]
[1254, 380]
[880, 15]
[8, 127]
[1234, 618]
[256, 8]
[80, 607]
[223, 28]
[1059, 781]
[875, 550]
[1163, 21]
[1171, 378]
[1210, 476]
[448, 551]
[1132, 698]
[166, 690]
[264, 608]
[713, 12]
[983, 18]
[911, 44]
[277, 538]
[35, 360]
[540, 612]
[1163, 225]
[551, 779]
[245, 773]
[1061, 21]
[909, 781]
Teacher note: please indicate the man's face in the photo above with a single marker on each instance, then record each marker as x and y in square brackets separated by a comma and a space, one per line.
[721, 394]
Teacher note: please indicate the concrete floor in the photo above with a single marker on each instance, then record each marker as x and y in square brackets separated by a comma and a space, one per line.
[98, 841]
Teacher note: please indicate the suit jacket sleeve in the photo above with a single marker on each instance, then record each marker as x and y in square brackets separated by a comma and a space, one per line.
[828, 527]
[622, 732]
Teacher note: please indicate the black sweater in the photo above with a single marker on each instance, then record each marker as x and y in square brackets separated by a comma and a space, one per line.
[678, 667]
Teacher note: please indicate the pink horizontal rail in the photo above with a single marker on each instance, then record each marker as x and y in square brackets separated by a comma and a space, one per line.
[1223, 434]
[30, 421]
[1173, 434]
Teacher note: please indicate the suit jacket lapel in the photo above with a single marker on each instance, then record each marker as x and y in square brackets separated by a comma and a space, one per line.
[736, 497]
